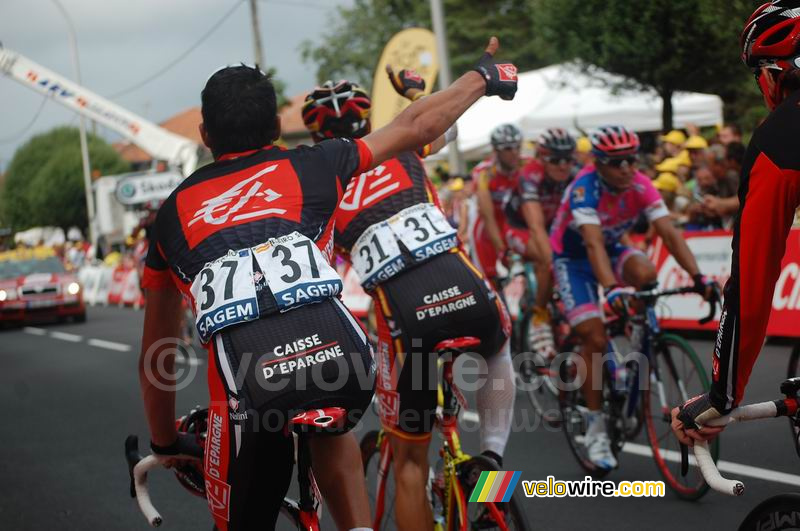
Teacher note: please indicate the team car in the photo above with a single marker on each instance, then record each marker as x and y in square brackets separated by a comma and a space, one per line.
[36, 287]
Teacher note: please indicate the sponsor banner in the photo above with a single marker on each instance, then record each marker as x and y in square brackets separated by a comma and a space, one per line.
[713, 253]
[140, 188]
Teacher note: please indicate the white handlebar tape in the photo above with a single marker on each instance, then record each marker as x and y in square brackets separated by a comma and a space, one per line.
[142, 495]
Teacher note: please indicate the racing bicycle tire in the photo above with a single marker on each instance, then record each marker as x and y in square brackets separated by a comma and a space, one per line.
[778, 513]
[677, 368]
[469, 473]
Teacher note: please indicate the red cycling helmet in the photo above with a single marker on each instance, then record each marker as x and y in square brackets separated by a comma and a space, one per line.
[771, 39]
[614, 141]
[337, 110]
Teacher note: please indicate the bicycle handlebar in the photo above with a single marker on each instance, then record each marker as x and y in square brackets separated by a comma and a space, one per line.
[708, 468]
[656, 293]
[138, 467]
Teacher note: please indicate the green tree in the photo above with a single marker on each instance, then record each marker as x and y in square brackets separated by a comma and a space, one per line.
[353, 45]
[44, 182]
[664, 46]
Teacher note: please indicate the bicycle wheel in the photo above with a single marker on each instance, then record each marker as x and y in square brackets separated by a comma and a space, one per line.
[370, 457]
[538, 378]
[478, 514]
[676, 375]
[574, 413]
[778, 513]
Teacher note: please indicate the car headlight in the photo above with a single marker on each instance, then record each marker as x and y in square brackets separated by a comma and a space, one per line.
[3, 295]
[73, 288]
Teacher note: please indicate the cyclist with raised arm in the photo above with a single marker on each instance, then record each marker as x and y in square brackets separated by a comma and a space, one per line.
[598, 208]
[248, 240]
[529, 214]
[769, 194]
[391, 228]
[496, 178]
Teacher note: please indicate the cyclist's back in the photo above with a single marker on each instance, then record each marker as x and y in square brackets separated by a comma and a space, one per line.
[246, 239]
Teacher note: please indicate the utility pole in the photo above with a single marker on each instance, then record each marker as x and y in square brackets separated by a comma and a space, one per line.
[259, 52]
[457, 166]
[87, 178]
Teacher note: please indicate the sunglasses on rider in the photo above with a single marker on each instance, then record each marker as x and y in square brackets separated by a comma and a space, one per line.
[555, 159]
[621, 162]
[505, 147]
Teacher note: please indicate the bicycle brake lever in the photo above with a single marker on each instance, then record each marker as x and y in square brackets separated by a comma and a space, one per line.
[684, 460]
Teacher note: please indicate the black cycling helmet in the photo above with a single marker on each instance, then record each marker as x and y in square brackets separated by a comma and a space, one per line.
[337, 110]
[556, 142]
[771, 39]
[505, 136]
[190, 473]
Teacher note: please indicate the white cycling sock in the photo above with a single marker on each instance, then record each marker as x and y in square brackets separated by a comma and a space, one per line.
[361, 529]
[495, 402]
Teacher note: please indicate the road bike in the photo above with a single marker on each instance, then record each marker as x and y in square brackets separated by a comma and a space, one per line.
[781, 512]
[452, 481]
[533, 369]
[642, 379]
[303, 513]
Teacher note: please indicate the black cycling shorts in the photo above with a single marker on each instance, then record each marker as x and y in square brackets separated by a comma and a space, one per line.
[261, 374]
[443, 298]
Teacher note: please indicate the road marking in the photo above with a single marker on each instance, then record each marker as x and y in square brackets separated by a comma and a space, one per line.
[35, 331]
[192, 361]
[72, 338]
[470, 416]
[110, 345]
[724, 466]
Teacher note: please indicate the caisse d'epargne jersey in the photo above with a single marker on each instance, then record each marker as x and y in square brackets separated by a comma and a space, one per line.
[588, 201]
[381, 207]
[254, 226]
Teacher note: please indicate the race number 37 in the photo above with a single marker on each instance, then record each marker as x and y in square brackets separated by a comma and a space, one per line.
[296, 271]
[224, 293]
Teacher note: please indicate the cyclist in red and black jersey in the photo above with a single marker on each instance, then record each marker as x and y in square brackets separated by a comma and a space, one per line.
[247, 239]
[531, 210]
[769, 194]
[392, 230]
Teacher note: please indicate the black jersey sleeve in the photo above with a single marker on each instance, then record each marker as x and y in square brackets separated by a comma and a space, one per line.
[346, 157]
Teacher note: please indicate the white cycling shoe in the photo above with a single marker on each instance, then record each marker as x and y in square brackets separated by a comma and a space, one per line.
[598, 449]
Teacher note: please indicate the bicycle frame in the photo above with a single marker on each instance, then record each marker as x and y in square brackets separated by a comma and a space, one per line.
[449, 402]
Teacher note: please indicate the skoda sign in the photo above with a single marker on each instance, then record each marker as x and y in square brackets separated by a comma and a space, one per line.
[140, 188]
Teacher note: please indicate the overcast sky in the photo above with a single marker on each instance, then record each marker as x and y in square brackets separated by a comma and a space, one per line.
[122, 42]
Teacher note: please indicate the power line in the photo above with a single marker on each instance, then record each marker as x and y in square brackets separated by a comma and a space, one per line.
[15, 137]
[182, 56]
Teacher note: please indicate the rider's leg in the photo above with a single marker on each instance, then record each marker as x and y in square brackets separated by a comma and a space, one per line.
[410, 462]
[592, 334]
[637, 270]
[495, 402]
[340, 481]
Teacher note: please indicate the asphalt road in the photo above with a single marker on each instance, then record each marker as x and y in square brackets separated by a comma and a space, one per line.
[71, 397]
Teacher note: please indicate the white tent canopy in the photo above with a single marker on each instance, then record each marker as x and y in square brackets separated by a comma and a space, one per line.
[563, 96]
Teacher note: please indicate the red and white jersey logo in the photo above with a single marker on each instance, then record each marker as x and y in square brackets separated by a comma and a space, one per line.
[371, 187]
[507, 72]
[271, 189]
[218, 494]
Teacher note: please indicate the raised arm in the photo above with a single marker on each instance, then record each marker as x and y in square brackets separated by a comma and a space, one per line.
[428, 118]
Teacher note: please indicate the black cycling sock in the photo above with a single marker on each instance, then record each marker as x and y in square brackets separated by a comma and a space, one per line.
[493, 456]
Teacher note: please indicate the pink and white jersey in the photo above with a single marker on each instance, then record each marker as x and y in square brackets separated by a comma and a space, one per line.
[588, 201]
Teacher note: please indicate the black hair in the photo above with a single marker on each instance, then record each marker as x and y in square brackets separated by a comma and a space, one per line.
[239, 110]
[735, 152]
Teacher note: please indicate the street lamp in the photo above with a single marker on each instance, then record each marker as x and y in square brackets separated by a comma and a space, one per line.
[87, 177]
